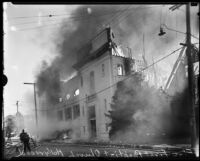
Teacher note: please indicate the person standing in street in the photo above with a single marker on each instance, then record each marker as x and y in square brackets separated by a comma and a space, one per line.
[24, 137]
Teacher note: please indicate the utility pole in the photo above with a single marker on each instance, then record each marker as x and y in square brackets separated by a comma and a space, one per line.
[190, 77]
[36, 117]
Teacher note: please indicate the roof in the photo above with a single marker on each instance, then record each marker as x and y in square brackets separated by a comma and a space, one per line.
[94, 49]
[92, 56]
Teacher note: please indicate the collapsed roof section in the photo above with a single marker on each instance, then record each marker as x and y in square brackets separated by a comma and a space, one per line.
[102, 42]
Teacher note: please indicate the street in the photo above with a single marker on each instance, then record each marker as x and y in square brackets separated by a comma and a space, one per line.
[48, 149]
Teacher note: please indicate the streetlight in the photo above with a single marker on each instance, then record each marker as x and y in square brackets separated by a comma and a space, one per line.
[36, 118]
[161, 31]
[162, 26]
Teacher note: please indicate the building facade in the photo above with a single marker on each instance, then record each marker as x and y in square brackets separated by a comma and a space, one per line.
[87, 97]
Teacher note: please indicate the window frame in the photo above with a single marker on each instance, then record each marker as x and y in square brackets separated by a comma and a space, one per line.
[60, 113]
[103, 69]
[122, 70]
[76, 111]
[66, 111]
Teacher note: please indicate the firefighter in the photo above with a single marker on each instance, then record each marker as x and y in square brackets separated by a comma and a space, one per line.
[24, 137]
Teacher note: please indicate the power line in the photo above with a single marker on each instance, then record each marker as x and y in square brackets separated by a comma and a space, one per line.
[70, 18]
[80, 17]
[179, 31]
[55, 15]
[125, 16]
[49, 25]
[87, 18]
[84, 98]
[121, 13]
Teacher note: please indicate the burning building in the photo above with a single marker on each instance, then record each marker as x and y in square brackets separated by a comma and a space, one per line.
[86, 97]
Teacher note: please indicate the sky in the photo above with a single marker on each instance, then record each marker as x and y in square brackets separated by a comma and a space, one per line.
[28, 40]
[24, 51]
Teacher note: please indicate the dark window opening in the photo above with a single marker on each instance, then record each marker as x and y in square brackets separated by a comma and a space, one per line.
[91, 112]
[81, 81]
[76, 111]
[83, 111]
[92, 83]
[103, 70]
[68, 113]
[60, 116]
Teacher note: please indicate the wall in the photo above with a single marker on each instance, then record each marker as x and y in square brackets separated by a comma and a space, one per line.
[101, 82]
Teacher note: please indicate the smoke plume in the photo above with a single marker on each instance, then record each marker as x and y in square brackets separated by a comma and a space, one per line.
[129, 26]
[143, 114]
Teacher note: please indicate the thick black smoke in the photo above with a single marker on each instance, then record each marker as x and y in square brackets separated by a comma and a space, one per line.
[87, 21]
[72, 36]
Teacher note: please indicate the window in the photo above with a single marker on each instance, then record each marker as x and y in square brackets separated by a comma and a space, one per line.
[68, 96]
[60, 116]
[81, 81]
[92, 83]
[76, 111]
[83, 111]
[107, 126]
[60, 99]
[76, 93]
[119, 69]
[103, 70]
[68, 113]
[91, 112]
[105, 104]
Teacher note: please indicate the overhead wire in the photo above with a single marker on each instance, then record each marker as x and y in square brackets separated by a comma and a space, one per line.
[85, 98]
[86, 19]
[70, 18]
[49, 25]
[146, 68]
[179, 31]
[55, 15]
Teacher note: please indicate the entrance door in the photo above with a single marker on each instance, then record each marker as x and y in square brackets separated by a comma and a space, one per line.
[92, 121]
[93, 128]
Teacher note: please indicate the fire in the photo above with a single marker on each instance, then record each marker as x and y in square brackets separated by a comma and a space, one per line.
[65, 136]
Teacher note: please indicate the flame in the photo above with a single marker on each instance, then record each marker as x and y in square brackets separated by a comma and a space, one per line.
[70, 77]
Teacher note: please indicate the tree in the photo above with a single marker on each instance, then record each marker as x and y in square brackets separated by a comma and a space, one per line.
[10, 125]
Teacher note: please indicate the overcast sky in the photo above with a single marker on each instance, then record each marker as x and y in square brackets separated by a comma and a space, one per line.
[25, 49]
[26, 45]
